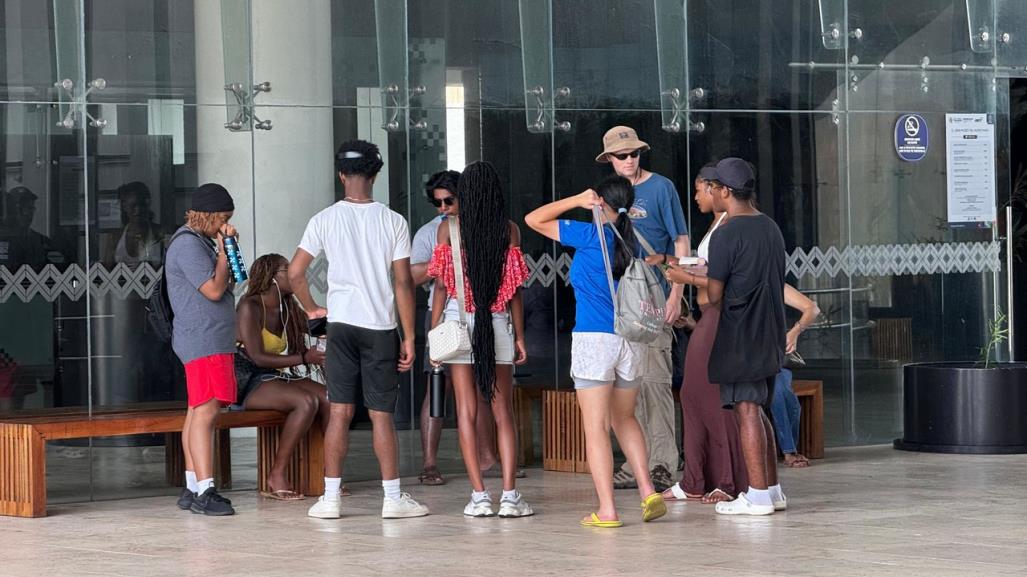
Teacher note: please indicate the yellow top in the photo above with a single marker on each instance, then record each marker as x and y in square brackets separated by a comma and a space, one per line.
[273, 344]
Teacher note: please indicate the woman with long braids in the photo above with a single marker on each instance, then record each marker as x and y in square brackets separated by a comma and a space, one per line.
[271, 330]
[494, 270]
[607, 369]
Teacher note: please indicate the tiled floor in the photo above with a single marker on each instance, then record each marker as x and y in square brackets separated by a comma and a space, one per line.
[863, 511]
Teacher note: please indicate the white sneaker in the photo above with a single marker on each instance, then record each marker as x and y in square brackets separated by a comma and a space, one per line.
[743, 506]
[481, 508]
[781, 504]
[402, 508]
[327, 507]
[516, 507]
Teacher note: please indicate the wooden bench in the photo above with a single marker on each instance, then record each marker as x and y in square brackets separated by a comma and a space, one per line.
[23, 449]
[811, 422]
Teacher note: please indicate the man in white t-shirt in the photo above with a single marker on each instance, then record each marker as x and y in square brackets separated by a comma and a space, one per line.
[368, 250]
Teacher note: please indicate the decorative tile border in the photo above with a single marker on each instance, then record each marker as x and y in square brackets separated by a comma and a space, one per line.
[50, 283]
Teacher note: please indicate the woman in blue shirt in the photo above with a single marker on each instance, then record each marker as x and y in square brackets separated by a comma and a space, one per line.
[606, 368]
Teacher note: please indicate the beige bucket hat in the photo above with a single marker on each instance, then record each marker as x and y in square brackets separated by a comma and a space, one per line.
[620, 138]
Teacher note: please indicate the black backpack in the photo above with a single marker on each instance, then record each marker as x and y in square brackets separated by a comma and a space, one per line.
[159, 314]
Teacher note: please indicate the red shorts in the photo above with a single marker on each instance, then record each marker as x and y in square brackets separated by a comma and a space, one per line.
[211, 377]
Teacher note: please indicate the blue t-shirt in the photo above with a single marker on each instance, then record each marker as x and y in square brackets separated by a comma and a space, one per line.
[593, 304]
[657, 213]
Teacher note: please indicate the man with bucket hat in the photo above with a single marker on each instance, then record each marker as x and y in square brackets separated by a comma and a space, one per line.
[658, 217]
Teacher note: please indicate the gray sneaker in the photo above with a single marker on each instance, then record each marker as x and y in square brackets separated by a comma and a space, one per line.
[515, 507]
[661, 478]
[623, 480]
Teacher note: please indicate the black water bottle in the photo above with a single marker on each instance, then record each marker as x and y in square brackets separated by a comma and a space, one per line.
[437, 390]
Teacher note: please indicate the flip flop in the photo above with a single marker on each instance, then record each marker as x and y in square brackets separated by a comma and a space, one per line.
[676, 493]
[653, 507]
[344, 491]
[595, 521]
[283, 495]
[706, 497]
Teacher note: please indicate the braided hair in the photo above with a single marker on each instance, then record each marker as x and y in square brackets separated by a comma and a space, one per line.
[617, 192]
[262, 275]
[485, 236]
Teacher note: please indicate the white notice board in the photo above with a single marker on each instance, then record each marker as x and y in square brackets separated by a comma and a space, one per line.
[970, 160]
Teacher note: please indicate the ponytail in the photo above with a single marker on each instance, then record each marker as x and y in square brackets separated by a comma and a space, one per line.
[617, 192]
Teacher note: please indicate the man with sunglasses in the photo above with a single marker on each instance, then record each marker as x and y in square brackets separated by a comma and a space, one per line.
[658, 217]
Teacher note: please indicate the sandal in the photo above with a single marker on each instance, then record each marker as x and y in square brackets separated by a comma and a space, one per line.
[431, 476]
[716, 496]
[653, 507]
[495, 472]
[676, 493]
[283, 495]
[797, 461]
[594, 521]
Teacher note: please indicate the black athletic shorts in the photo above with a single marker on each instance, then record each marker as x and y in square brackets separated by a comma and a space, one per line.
[760, 392]
[362, 359]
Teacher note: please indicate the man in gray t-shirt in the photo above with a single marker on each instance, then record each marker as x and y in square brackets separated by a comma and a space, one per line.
[203, 336]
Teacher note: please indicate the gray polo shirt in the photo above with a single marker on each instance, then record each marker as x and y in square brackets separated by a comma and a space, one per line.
[423, 246]
[201, 327]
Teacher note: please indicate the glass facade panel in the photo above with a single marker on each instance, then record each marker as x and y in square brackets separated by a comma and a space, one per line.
[98, 171]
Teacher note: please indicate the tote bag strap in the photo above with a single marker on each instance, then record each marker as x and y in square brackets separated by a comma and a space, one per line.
[458, 266]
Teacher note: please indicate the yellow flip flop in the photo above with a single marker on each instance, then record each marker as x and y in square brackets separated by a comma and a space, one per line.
[653, 507]
[595, 521]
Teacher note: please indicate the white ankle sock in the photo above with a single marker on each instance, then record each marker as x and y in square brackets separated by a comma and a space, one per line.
[478, 496]
[190, 481]
[202, 486]
[332, 486]
[510, 495]
[759, 496]
[775, 492]
[391, 488]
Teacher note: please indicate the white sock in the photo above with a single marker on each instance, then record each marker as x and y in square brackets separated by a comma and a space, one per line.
[510, 495]
[333, 486]
[775, 492]
[391, 489]
[479, 496]
[759, 496]
[190, 481]
[202, 486]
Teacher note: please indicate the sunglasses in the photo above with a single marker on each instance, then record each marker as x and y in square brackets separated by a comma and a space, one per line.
[449, 200]
[626, 155]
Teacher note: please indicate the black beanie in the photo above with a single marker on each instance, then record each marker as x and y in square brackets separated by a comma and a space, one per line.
[212, 197]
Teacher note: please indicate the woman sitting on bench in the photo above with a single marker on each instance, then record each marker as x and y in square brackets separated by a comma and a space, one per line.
[271, 331]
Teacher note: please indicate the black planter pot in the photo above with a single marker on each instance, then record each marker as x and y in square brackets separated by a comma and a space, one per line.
[964, 408]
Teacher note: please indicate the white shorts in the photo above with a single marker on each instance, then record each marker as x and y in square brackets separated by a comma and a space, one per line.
[502, 327]
[604, 358]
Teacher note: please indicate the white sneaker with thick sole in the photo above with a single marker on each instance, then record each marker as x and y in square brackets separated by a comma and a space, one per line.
[743, 506]
[781, 504]
[403, 508]
[482, 508]
[516, 507]
[327, 507]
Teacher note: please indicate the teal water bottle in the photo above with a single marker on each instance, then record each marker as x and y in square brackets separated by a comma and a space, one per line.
[234, 255]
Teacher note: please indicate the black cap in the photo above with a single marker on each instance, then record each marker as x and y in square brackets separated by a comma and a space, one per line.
[212, 197]
[735, 174]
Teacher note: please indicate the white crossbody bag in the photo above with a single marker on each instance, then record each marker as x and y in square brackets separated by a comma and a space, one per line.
[451, 339]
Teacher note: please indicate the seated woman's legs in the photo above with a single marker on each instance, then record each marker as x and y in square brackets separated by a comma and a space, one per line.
[300, 406]
[785, 410]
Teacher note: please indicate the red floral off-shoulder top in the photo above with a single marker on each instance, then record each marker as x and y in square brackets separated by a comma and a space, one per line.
[515, 272]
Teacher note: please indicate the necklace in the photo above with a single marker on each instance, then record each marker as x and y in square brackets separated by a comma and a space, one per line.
[358, 200]
[637, 177]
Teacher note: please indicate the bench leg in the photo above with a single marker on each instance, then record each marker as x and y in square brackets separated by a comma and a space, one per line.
[22, 471]
[305, 470]
[174, 460]
[223, 458]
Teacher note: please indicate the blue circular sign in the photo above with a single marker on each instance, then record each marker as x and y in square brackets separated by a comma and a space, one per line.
[911, 138]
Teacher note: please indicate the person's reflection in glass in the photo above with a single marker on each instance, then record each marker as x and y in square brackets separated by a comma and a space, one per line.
[141, 239]
[19, 244]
